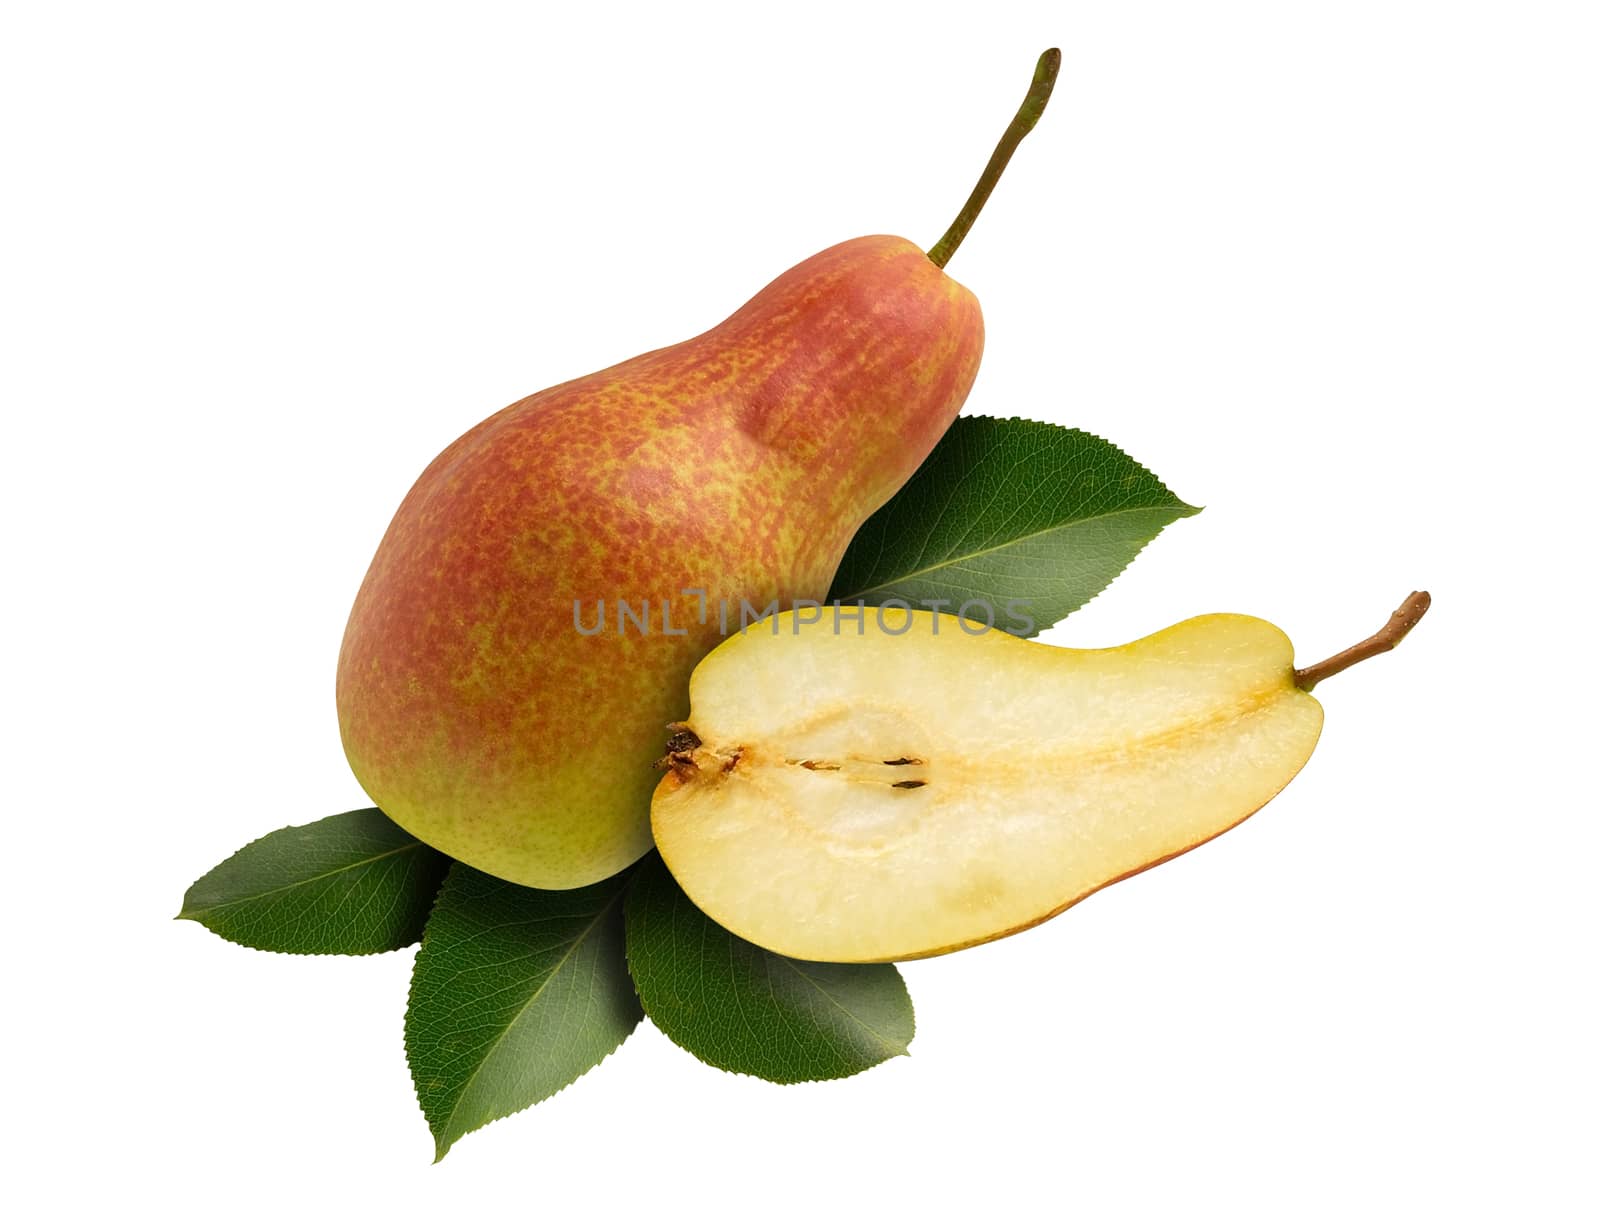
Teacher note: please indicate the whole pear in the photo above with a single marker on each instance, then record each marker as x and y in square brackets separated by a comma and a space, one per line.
[532, 616]
[734, 466]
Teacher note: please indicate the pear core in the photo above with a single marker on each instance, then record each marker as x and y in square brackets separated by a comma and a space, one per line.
[911, 789]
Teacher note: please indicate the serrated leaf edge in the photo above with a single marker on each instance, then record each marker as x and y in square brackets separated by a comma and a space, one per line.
[891, 1048]
[893, 1052]
[256, 897]
[1078, 429]
[1184, 510]
[890, 1051]
[441, 1147]
[198, 916]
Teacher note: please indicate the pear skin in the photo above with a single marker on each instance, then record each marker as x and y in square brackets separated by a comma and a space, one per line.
[477, 706]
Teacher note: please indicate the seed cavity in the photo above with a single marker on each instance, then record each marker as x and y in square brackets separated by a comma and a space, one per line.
[679, 757]
[682, 740]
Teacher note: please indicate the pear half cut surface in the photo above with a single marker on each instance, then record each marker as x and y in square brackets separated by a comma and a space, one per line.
[906, 787]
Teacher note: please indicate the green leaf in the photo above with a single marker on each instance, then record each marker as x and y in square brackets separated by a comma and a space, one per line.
[351, 883]
[743, 1009]
[1030, 520]
[516, 993]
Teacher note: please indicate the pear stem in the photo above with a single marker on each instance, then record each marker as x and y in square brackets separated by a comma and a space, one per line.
[1044, 80]
[1400, 624]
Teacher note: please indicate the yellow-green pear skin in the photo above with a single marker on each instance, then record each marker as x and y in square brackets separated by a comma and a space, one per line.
[908, 788]
[479, 706]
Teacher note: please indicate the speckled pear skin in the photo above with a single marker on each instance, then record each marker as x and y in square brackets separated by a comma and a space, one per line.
[740, 463]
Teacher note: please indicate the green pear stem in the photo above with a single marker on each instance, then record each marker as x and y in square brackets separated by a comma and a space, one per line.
[1400, 624]
[1044, 80]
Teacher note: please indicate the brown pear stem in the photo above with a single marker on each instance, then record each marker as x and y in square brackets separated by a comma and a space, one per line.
[1044, 80]
[1399, 625]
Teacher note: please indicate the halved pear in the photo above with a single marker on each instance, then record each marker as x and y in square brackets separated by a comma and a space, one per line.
[908, 787]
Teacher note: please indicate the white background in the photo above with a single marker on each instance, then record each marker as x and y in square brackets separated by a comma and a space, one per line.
[1330, 270]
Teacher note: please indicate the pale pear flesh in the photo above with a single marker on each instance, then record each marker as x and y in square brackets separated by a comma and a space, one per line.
[905, 787]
